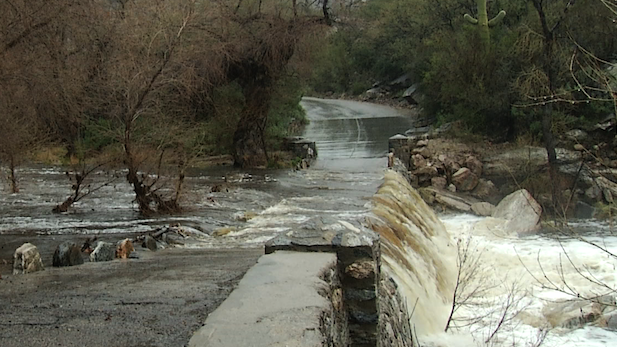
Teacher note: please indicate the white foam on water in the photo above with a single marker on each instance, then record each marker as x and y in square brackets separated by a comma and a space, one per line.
[535, 263]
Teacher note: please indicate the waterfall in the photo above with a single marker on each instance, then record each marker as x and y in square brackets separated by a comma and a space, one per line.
[417, 252]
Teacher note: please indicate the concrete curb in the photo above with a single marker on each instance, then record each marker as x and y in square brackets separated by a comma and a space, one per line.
[277, 303]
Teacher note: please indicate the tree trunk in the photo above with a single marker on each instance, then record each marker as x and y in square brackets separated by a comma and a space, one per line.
[12, 176]
[249, 142]
[547, 110]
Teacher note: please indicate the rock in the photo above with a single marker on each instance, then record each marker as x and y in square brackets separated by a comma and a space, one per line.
[608, 195]
[606, 185]
[574, 314]
[422, 143]
[104, 251]
[149, 243]
[452, 188]
[425, 174]
[439, 182]
[428, 195]
[465, 180]
[451, 164]
[584, 211]
[374, 93]
[423, 151]
[473, 164]
[485, 190]
[593, 193]
[452, 203]
[245, 216]
[124, 248]
[361, 269]
[484, 209]
[223, 231]
[353, 239]
[520, 210]
[576, 135]
[579, 147]
[418, 161]
[609, 321]
[27, 259]
[67, 254]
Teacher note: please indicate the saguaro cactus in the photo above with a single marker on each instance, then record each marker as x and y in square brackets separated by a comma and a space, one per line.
[483, 23]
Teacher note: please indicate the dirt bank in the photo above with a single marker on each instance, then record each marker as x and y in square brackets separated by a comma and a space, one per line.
[159, 299]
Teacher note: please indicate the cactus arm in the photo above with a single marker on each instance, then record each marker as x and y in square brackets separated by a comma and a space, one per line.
[483, 23]
[497, 19]
[470, 19]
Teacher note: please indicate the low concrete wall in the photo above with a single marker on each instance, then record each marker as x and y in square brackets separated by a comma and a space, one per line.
[277, 303]
[309, 291]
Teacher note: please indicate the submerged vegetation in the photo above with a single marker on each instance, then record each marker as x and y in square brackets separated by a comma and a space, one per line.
[152, 85]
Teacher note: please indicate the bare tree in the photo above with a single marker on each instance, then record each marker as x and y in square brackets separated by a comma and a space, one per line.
[261, 39]
[19, 130]
[137, 76]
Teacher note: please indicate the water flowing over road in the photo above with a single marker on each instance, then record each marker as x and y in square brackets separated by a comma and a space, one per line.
[335, 191]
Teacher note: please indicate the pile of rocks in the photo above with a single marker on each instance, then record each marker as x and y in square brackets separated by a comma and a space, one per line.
[27, 258]
[458, 170]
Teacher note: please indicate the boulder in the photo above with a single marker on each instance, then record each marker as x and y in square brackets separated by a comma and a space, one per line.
[27, 259]
[576, 135]
[583, 210]
[609, 321]
[485, 190]
[439, 182]
[67, 254]
[576, 313]
[425, 174]
[465, 180]
[104, 251]
[124, 249]
[452, 203]
[428, 195]
[484, 209]
[593, 193]
[418, 161]
[473, 164]
[451, 164]
[422, 143]
[423, 151]
[150, 243]
[520, 210]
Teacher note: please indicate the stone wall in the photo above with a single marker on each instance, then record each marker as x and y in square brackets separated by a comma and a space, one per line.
[367, 308]
[353, 318]
[394, 322]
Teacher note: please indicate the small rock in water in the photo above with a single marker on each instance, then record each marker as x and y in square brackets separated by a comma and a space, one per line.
[104, 251]
[124, 249]
[223, 231]
[149, 243]
[67, 254]
[27, 259]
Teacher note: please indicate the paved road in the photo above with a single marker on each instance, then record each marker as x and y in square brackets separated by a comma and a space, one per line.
[158, 300]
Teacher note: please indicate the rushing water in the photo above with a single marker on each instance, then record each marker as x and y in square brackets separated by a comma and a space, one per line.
[419, 248]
